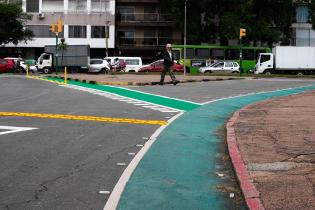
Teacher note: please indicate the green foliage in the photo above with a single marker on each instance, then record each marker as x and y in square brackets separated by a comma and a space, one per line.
[12, 22]
[266, 22]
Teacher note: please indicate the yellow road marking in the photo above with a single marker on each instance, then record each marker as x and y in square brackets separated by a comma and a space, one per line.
[47, 80]
[84, 118]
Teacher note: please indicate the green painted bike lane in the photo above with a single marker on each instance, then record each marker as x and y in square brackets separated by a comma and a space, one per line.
[159, 100]
[178, 172]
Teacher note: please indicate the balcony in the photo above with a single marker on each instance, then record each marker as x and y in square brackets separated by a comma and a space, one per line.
[143, 19]
[137, 1]
[145, 42]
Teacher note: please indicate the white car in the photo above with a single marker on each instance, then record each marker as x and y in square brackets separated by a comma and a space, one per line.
[133, 64]
[99, 66]
[221, 67]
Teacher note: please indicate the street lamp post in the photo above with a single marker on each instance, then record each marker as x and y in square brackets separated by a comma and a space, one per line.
[106, 31]
[185, 32]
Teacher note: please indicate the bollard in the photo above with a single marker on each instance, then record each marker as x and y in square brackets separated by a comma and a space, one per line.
[26, 70]
[66, 79]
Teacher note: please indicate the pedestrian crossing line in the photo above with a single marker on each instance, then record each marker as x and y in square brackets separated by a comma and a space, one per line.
[113, 96]
[83, 118]
[125, 99]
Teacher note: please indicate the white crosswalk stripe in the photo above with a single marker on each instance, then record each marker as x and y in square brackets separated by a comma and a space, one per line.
[127, 100]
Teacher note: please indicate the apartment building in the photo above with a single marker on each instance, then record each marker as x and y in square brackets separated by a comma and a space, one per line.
[142, 29]
[303, 34]
[84, 22]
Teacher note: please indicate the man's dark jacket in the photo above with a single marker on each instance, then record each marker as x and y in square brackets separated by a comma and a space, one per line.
[168, 62]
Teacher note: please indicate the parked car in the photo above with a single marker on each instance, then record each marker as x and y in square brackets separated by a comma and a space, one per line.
[132, 64]
[158, 66]
[15, 60]
[221, 67]
[6, 65]
[98, 65]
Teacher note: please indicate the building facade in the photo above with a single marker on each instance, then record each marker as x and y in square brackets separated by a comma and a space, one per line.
[303, 34]
[84, 22]
[142, 29]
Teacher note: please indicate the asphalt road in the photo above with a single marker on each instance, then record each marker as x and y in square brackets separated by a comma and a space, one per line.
[64, 164]
[202, 92]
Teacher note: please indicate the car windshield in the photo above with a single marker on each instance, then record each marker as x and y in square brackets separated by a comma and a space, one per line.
[218, 65]
[96, 62]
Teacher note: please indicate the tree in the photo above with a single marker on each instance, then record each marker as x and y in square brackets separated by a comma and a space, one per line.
[266, 22]
[12, 24]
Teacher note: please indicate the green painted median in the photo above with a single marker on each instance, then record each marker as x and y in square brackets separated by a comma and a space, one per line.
[159, 100]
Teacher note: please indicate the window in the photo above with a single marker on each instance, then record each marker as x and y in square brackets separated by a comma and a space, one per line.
[232, 54]
[229, 64]
[217, 53]
[264, 58]
[258, 52]
[77, 5]
[235, 64]
[52, 5]
[32, 5]
[99, 5]
[42, 31]
[96, 61]
[17, 2]
[219, 65]
[99, 31]
[132, 61]
[176, 54]
[77, 31]
[190, 53]
[126, 13]
[248, 54]
[46, 57]
[202, 53]
[302, 14]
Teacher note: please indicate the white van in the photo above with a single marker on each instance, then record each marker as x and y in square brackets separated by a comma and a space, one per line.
[133, 64]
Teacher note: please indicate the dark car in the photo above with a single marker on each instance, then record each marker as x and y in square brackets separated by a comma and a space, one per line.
[158, 66]
[6, 65]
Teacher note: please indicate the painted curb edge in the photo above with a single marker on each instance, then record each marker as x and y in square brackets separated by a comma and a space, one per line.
[251, 194]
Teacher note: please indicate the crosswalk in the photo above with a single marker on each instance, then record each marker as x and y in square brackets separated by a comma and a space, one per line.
[127, 100]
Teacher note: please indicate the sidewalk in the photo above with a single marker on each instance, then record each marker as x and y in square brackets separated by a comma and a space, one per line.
[140, 79]
[276, 141]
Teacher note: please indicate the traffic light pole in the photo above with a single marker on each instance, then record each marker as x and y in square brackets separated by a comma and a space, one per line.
[241, 58]
[56, 52]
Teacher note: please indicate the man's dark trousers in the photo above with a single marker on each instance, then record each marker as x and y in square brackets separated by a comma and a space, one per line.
[170, 71]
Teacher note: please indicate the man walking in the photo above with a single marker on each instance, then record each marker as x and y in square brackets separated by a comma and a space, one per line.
[168, 63]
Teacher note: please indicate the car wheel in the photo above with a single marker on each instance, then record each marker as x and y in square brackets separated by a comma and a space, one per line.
[132, 71]
[235, 72]
[46, 70]
[104, 71]
[208, 72]
[300, 73]
[267, 72]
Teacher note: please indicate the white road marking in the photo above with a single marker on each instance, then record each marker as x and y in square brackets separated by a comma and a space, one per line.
[121, 164]
[114, 198]
[11, 129]
[104, 192]
[136, 102]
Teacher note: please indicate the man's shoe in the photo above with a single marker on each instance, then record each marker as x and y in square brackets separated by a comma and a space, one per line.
[161, 83]
[175, 82]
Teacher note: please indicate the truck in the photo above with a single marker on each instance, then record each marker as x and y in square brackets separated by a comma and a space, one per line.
[75, 57]
[287, 60]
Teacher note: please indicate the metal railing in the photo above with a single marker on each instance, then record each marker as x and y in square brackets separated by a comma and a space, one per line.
[146, 41]
[143, 17]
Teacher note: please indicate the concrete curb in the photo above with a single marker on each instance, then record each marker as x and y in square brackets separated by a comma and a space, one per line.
[145, 83]
[251, 194]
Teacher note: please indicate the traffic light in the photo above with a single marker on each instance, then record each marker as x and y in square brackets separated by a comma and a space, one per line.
[242, 32]
[52, 27]
[59, 25]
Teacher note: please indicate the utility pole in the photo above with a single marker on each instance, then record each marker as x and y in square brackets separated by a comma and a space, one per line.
[185, 39]
[106, 31]
[242, 34]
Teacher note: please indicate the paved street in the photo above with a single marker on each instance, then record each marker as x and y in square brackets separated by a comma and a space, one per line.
[67, 161]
